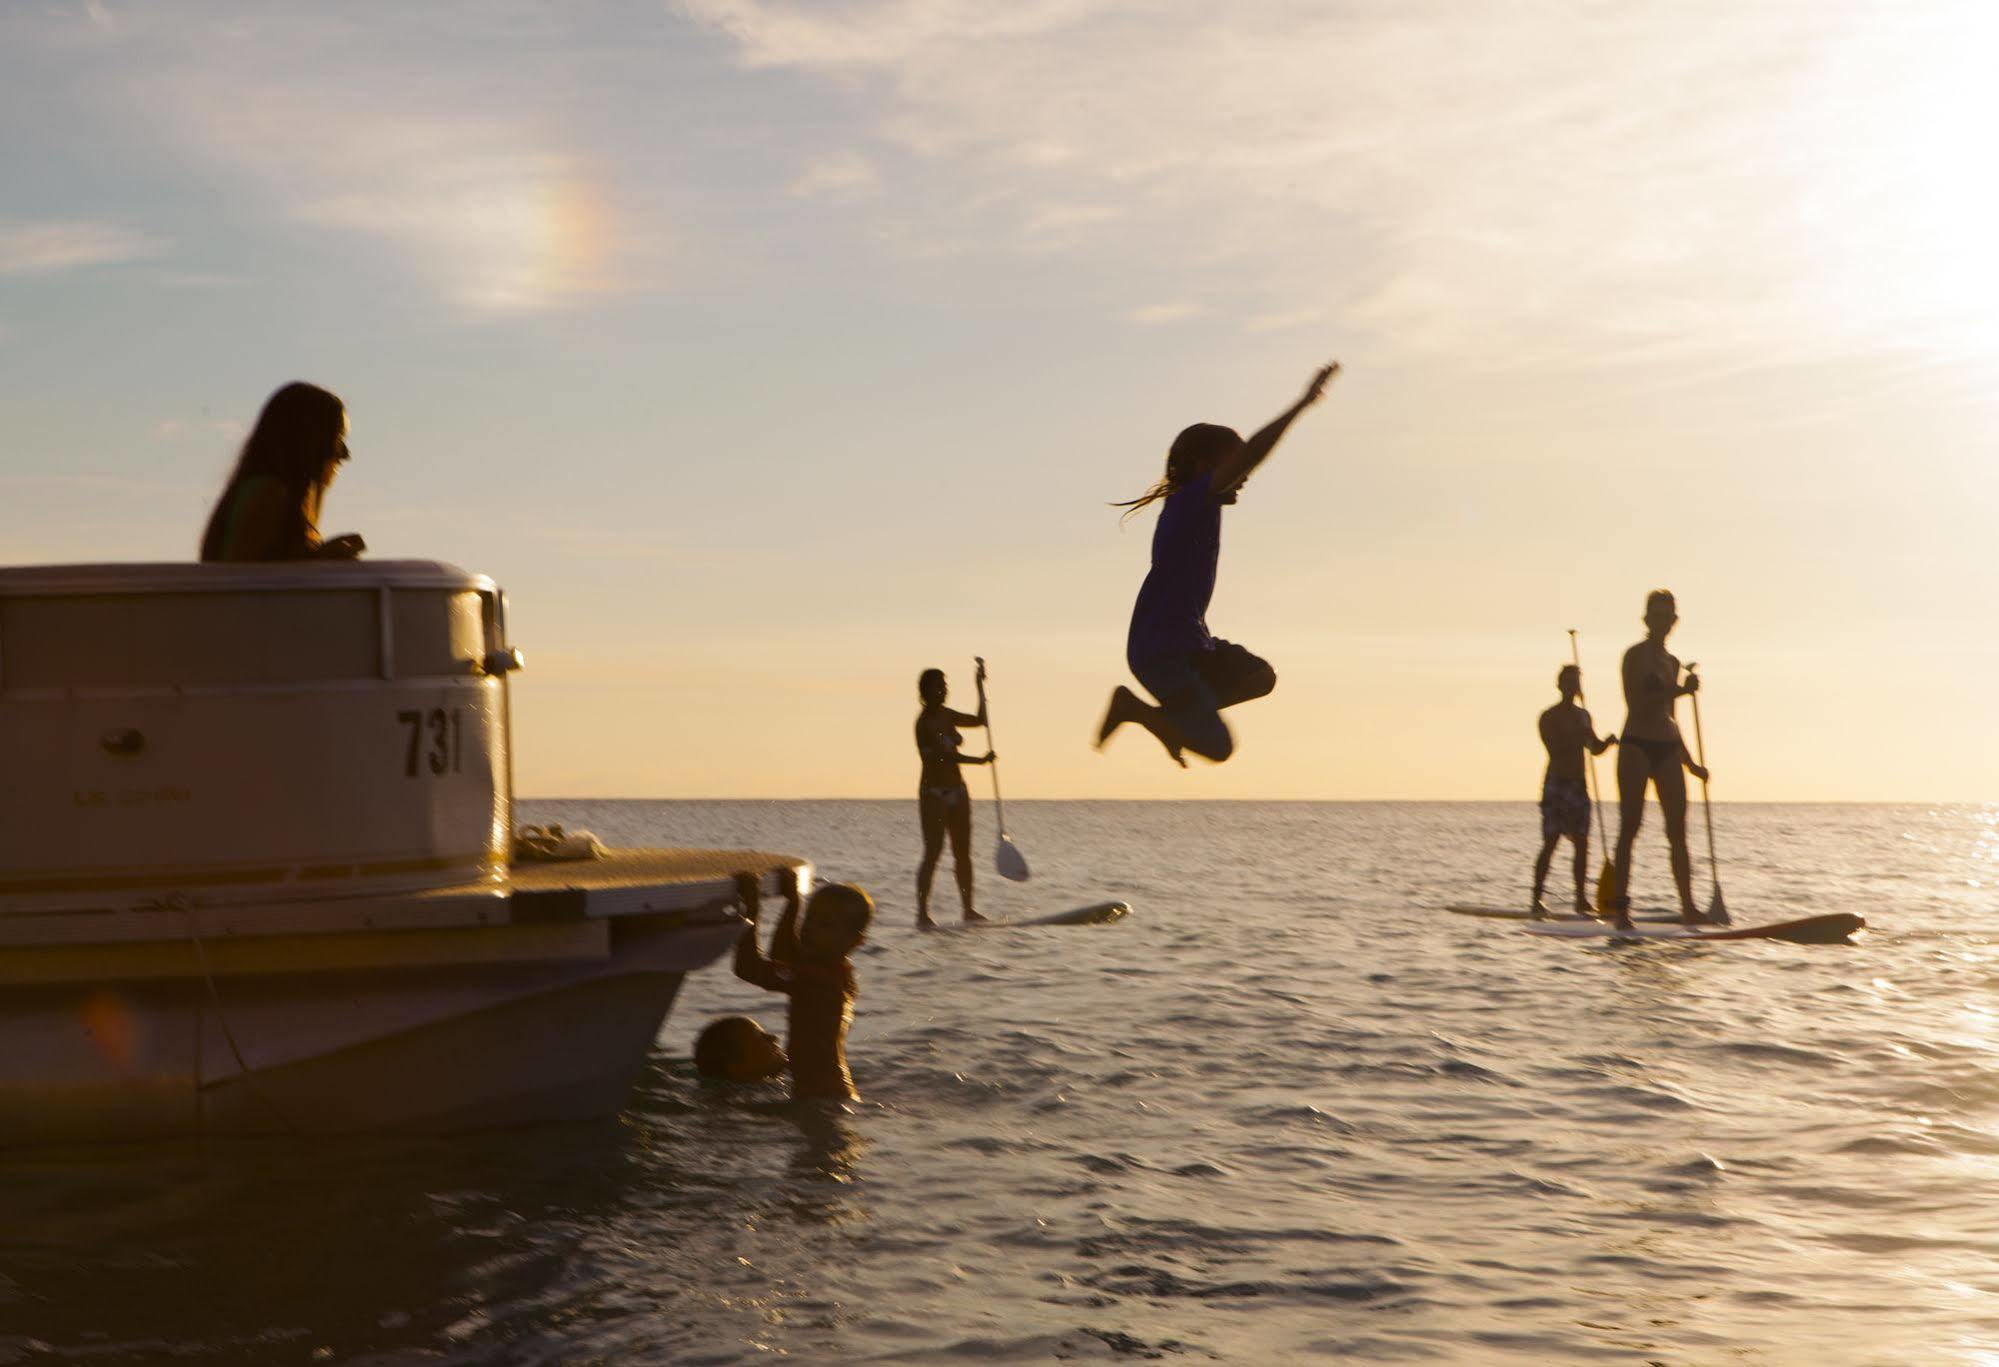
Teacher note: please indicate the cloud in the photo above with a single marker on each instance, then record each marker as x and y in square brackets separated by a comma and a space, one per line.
[46, 248]
[1164, 313]
[343, 128]
[1550, 180]
[840, 174]
[205, 427]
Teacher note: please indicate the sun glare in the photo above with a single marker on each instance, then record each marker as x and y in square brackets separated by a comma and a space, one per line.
[1907, 209]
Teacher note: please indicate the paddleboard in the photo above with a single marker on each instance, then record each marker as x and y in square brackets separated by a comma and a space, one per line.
[1096, 914]
[1833, 928]
[1519, 914]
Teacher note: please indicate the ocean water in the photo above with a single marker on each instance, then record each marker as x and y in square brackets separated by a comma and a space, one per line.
[1289, 1111]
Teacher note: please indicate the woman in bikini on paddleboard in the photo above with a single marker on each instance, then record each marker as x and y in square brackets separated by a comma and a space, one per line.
[1652, 751]
[1193, 673]
[942, 801]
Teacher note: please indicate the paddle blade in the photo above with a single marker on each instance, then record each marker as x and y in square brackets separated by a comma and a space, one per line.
[1010, 862]
[1606, 889]
[1717, 910]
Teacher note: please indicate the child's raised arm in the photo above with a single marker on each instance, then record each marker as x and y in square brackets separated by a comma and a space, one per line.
[1231, 470]
[784, 940]
[751, 965]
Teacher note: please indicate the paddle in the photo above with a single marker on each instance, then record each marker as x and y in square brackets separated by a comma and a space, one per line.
[1606, 881]
[1007, 858]
[1717, 910]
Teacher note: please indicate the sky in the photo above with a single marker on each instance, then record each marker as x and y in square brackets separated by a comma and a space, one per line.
[768, 353]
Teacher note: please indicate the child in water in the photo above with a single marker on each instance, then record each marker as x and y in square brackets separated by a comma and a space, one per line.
[1192, 673]
[809, 964]
[1566, 730]
[737, 1049]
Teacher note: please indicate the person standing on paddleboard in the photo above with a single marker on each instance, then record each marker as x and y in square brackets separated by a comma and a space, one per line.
[1566, 729]
[1193, 673]
[943, 803]
[1651, 750]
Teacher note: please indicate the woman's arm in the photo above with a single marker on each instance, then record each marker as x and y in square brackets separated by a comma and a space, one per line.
[346, 546]
[1637, 682]
[1687, 760]
[965, 719]
[1237, 466]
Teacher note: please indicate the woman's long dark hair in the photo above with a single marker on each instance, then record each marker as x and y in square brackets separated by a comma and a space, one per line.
[1193, 450]
[292, 442]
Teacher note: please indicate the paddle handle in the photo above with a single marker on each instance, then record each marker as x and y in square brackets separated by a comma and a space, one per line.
[999, 807]
[1707, 808]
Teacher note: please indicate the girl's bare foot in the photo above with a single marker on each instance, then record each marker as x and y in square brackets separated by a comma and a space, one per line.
[1124, 706]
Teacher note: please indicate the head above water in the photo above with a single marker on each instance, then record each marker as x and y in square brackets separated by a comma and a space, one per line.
[737, 1049]
[1661, 612]
[836, 921]
[1194, 453]
[930, 686]
[1569, 679]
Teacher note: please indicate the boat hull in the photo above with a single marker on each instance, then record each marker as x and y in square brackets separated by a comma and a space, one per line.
[419, 1049]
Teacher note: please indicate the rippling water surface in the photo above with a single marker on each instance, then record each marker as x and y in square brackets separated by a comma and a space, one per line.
[1290, 1110]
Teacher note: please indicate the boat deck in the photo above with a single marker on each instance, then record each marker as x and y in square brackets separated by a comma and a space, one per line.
[688, 884]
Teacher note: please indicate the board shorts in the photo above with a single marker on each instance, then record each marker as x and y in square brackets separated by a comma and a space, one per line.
[1193, 689]
[1564, 808]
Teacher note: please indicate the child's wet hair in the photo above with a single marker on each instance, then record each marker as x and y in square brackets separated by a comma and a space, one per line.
[841, 902]
[721, 1042]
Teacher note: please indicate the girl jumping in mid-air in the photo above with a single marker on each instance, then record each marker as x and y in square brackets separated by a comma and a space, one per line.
[1193, 674]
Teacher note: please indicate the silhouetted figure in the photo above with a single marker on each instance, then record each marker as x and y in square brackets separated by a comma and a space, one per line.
[270, 508]
[943, 803]
[1566, 731]
[809, 965]
[1192, 673]
[1651, 750]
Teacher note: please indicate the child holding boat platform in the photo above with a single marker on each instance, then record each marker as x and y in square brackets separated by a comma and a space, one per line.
[809, 963]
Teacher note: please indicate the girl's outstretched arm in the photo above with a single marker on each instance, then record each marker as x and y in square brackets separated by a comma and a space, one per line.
[1235, 467]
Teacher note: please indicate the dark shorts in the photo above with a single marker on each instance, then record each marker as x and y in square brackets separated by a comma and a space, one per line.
[1564, 808]
[1193, 689]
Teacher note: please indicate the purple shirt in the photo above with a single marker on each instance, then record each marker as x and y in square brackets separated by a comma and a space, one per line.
[1169, 621]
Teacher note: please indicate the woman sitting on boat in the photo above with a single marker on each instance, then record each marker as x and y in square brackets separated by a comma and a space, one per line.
[270, 508]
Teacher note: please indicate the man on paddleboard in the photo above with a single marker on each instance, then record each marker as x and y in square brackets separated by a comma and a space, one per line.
[1566, 730]
[1652, 751]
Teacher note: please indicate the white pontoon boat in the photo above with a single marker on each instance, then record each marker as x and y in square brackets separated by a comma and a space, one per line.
[257, 873]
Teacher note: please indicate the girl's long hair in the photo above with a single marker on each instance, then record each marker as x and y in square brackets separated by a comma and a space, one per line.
[1193, 450]
[292, 442]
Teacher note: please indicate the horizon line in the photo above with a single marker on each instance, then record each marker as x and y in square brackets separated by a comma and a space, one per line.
[1315, 801]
